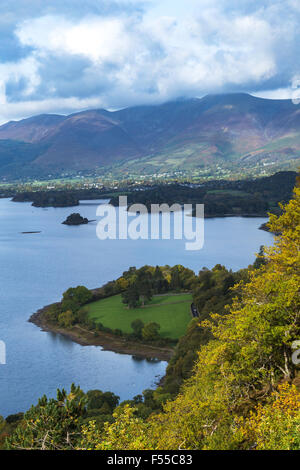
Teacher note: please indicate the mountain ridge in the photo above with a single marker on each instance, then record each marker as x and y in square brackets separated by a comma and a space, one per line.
[231, 129]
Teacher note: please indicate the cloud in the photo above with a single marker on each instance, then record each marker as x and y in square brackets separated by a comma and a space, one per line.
[71, 55]
[98, 39]
[54, 106]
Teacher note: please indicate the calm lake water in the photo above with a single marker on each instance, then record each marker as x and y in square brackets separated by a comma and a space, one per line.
[36, 268]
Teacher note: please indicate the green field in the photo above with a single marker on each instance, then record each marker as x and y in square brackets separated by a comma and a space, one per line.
[172, 312]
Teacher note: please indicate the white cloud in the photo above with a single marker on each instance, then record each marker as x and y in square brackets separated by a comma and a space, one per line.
[208, 46]
[99, 39]
[26, 68]
[204, 53]
[291, 92]
[23, 109]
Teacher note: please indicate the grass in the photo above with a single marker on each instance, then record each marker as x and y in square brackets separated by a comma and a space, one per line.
[171, 311]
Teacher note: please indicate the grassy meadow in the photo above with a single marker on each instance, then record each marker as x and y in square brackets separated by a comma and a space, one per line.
[171, 311]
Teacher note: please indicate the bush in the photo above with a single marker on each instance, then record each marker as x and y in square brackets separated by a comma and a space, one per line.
[118, 332]
[66, 319]
[12, 419]
[150, 331]
[276, 425]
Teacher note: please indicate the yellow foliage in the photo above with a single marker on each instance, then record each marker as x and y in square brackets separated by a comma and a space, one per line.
[275, 425]
[251, 352]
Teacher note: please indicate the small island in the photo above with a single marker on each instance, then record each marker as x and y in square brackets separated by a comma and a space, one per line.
[48, 198]
[75, 219]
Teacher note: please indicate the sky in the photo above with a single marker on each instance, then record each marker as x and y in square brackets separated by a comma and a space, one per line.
[62, 56]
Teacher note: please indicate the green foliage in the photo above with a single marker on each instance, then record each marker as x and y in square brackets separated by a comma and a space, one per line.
[66, 319]
[137, 326]
[221, 197]
[260, 259]
[131, 296]
[144, 286]
[160, 284]
[274, 425]
[15, 418]
[2, 423]
[175, 283]
[100, 406]
[49, 198]
[82, 316]
[75, 297]
[52, 313]
[54, 424]
[211, 293]
[249, 353]
[146, 281]
[150, 332]
[126, 433]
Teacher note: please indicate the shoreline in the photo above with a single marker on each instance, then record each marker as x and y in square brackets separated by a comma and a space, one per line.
[107, 341]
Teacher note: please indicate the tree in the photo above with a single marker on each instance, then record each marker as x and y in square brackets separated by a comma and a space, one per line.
[274, 425]
[144, 284]
[122, 283]
[251, 351]
[131, 296]
[145, 290]
[150, 332]
[75, 297]
[53, 312]
[111, 399]
[96, 399]
[175, 279]
[260, 258]
[54, 424]
[160, 284]
[137, 326]
[66, 319]
[249, 354]
[127, 432]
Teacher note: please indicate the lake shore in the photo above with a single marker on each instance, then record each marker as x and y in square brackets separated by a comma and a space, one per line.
[107, 341]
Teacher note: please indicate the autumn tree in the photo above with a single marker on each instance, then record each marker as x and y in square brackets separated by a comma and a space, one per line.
[249, 354]
[66, 319]
[150, 332]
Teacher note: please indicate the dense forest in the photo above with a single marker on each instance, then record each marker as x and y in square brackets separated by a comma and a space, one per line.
[254, 197]
[223, 198]
[233, 382]
[58, 198]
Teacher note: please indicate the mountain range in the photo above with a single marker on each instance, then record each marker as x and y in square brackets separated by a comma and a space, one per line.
[233, 130]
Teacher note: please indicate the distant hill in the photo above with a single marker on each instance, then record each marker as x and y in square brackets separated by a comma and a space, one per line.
[233, 130]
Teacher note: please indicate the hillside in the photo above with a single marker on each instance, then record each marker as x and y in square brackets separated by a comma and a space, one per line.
[241, 394]
[233, 131]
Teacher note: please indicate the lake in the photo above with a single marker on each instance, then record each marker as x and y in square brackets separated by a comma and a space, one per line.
[35, 269]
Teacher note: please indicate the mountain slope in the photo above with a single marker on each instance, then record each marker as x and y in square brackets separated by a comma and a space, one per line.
[233, 130]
